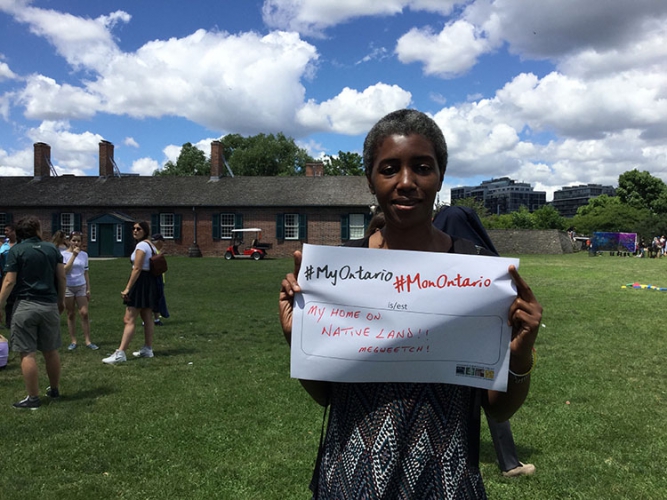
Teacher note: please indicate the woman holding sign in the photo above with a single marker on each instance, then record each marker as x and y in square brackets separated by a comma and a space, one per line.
[408, 440]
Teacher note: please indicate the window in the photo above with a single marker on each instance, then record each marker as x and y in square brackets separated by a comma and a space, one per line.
[119, 232]
[353, 226]
[4, 220]
[167, 226]
[357, 226]
[67, 222]
[223, 224]
[227, 223]
[93, 232]
[291, 226]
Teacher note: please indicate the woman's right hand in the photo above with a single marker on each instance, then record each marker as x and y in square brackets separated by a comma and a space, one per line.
[288, 288]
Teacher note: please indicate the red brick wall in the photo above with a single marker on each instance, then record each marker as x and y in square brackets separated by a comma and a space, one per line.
[323, 226]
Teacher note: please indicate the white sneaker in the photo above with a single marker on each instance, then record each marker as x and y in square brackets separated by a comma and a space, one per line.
[145, 352]
[116, 357]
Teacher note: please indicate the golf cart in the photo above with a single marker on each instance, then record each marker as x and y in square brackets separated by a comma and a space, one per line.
[254, 251]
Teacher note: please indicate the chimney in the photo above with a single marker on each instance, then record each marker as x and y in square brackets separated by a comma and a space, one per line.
[42, 160]
[106, 159]
[217, 160]
[315, 169]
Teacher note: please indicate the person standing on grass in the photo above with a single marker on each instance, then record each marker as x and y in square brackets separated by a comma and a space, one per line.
[77, 294]
[162, 311]
[36, 271]
[409, 440]
[140, 297]
[10, 235]
[463, 222]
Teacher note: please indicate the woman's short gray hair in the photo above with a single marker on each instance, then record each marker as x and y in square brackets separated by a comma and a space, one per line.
[405, 122]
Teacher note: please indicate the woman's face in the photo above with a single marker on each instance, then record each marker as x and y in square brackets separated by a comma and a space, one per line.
[406, 179]
[137, 232]
[75, 241]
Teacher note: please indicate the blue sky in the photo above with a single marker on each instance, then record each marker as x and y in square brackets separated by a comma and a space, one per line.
[554, 93]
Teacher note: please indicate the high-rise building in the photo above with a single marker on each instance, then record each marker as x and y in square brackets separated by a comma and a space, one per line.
[503, 195]
[570, 198]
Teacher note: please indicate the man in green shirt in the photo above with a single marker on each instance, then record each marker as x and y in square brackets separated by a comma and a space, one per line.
[35, 269]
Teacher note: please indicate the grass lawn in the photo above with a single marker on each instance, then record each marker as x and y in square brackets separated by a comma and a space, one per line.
[215, 414]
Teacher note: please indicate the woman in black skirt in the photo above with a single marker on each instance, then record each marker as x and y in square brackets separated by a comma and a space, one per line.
[140, 296]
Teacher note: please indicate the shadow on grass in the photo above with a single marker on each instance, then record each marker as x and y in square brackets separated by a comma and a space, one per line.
[81, 395]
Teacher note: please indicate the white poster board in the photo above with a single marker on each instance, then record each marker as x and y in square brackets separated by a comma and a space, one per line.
[370, 315]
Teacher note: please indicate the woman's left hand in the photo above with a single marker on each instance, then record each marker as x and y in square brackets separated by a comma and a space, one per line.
[525, 316]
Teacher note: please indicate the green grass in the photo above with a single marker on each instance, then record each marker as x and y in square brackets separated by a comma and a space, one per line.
[215, 414]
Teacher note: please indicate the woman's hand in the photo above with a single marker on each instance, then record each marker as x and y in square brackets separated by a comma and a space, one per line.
[125, 294]
[288, 288]
[525, 316]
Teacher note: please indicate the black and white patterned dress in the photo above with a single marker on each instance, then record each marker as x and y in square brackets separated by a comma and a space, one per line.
[401, 441]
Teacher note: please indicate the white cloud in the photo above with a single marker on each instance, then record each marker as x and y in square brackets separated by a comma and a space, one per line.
[144, 166]
[6, 73]
[353, 112]
[44, 99]
[217, 80]
[71, 152]
[129, 141]
[447, 54]
[69, 34]
[310, 17]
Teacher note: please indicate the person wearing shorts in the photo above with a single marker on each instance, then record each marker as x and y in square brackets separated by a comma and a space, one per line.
[77, 294]
[35, 270]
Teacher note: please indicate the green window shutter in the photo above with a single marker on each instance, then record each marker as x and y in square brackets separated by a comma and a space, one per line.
[215, 227]
[303, 226]
[238, 221]
[178, 222]
[55, 222]
[10, 218]
[77, 222]
[280, 226]
[155, 223]
[344, 227]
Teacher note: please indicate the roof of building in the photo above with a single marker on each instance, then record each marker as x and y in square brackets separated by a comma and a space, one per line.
[200, 191]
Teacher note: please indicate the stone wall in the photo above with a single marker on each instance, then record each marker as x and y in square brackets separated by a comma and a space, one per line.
[528, 241]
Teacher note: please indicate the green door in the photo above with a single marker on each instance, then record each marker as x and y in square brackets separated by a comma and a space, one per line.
[107, 239]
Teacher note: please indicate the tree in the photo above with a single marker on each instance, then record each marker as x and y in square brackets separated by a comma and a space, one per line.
[523, 219]
[344, 164]
[614, 217]
[598, 203]
[475, 204]
[642, 190]
[261, 154]
[191, 161]
[547, 217]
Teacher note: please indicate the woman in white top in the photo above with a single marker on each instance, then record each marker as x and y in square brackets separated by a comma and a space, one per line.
[140, 296]
[77, 293]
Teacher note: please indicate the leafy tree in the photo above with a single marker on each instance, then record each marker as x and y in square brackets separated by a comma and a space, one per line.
[522, 218]
[494, 221]
[261, 154]
[475, 204]
[614, 217]
[598, 204]
[547, 217]
[642, 190]
[191, 161]
[344, 164]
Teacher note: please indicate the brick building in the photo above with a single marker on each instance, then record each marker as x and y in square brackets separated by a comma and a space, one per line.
[195, 214]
